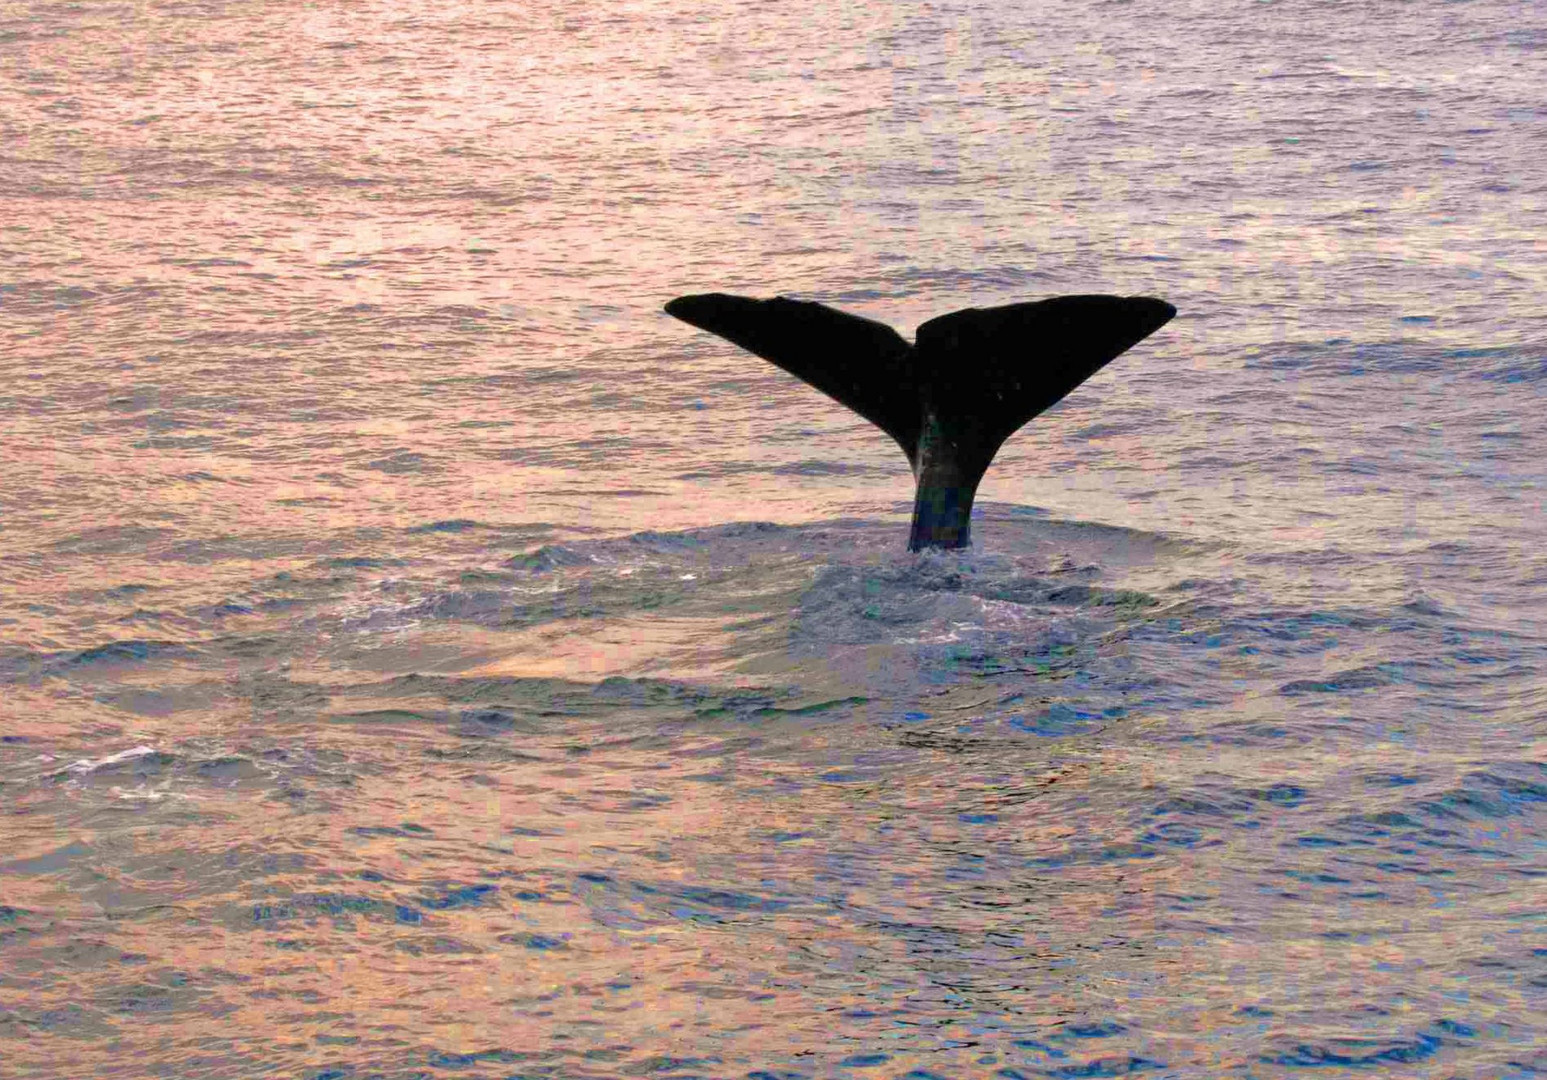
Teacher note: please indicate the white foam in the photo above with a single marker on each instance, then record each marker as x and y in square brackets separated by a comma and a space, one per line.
[86, 765]
[146, 794]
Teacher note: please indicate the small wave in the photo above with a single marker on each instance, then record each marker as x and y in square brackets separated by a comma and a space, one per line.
[1488, 795]
[548, 557]
[1356, 1053]
[453, 525]
[480, 606]
[1341, 358]
[403, 462]
[829, 468]
[1365, 678]
[120, 652]
[135, 755]
[667, 543]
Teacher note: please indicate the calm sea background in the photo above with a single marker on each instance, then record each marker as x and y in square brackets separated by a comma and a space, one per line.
[421, 657]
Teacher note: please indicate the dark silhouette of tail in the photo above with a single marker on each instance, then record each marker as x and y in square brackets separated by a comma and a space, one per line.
[950, 399]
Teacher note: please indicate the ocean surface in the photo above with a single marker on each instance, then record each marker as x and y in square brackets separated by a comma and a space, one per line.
[421, 657]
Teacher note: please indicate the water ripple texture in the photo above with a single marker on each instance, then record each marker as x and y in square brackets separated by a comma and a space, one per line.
[420, 657]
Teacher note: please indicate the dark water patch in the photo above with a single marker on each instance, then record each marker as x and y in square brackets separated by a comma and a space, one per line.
[812, 709]
[1052, 656]
[1198, 803]
[1195, 815]
[620, 904]
[116, 652]
[1257, 734]
[1286, 795]
[1105, 1066]
[451, 525]
[460, 896]
[9, 915]
[1389, 779]
[390, 716]
[673, 1066]
[1121, 599]
[829, 468]
[522, 830]
[1059, 720]
[1517, 369]
[150, 702]
[536, 942]
[488, 722]
[1454, 1028]
[113, 540]
[177, 442]
[229, 770]
[1343, 359]
[691, 899]
[667, 543]
[1355, 1053]
[153, 1000]
[71, 854]
[719, 470]
[1176, 834]
[1034, 591]
[269, 914]
[1307, 633]
[402, 463]
[1101, 429]
[482, 577]
[482, 606]
[1096, 856]
[1488, 795]
[217, 549]
[1099, 1029]
[379, 830]
[546, 558]
[445, 1059]
[1377, 823]
[1365, 678]
[406, 830]
[360, 562]
[1316, 878]
[620, 690]
[436, 945]
[1043, 1049]
[541, 700]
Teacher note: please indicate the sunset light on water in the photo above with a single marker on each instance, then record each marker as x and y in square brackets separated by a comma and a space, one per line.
[421, 656]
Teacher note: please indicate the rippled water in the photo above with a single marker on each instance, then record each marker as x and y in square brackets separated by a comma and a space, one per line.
[421, 657]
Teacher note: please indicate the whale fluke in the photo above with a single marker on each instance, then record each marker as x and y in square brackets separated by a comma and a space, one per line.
[950, 399]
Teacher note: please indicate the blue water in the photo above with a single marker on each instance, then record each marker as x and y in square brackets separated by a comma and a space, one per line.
[419, 656]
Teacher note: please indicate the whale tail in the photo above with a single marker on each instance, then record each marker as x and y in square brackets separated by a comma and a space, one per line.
[950, 400]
